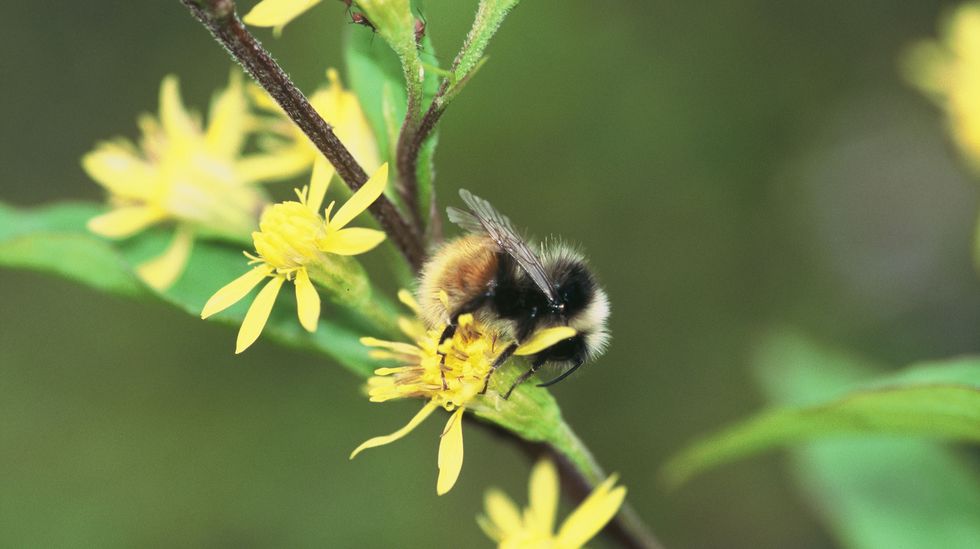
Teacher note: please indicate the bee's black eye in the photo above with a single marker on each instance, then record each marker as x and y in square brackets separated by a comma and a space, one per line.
[575, 289]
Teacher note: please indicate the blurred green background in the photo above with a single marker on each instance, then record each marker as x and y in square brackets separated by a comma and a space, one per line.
[726, 166]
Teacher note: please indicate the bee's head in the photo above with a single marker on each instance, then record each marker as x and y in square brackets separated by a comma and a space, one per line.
[579, 300]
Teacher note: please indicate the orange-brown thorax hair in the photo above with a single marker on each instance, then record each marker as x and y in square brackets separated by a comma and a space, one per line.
[463, 268]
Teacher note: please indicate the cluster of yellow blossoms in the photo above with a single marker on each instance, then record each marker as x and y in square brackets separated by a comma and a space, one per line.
[184, 173]
[199, 179]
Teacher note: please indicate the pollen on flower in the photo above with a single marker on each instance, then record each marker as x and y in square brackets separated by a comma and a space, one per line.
[293, 244]
[288, 235]
[450, 374]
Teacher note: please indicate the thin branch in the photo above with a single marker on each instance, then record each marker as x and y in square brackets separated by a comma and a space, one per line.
[410, 141]
[413, 135]
[407, 165]
[221, 20]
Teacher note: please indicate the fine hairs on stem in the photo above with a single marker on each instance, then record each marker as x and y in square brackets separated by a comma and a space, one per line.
[221, 19]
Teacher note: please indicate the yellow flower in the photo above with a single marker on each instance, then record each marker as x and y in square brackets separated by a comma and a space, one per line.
[451, 376]
[294, 243]
[949, 71]
[192, 176]
[291, 153]
[277, 13]
[534, 529]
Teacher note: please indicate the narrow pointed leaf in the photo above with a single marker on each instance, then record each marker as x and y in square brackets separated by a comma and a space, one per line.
[939, 400]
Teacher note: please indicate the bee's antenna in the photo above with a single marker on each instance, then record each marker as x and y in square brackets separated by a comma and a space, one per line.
[561, 377]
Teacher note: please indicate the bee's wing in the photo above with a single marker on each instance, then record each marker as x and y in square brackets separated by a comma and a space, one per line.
[484, 218]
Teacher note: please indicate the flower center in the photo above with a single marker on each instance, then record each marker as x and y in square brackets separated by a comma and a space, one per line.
[451, 374]
[287, 236]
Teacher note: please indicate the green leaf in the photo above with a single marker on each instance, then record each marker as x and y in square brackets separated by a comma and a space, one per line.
[873, 492]
[54, 240]
[48, 242]
[378, 78]
[373, 73]
[489, 15]
[937, 400]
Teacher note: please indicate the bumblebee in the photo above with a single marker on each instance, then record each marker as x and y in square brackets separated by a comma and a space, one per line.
[514, 289]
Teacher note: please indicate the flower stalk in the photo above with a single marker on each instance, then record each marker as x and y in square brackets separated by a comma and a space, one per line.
[490, 14]
[221, 19]
[396, 25]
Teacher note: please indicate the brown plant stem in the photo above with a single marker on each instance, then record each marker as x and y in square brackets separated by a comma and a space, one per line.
[220, 18]
[409, 184]
[410, 141]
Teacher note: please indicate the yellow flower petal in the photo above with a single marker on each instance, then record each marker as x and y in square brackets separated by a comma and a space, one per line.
[362, 199]
[352, 241]
[277, 13]
[307, 301]
[258, 314]
[387, 439]
[229, 119]
[542, 339]
[543, 495]
[319, 181]
[118, 168]
[161, 272]
[235, 290]
[124, 221]
[412, 328]
[408, 300]
[502, 512]
[488, 528]
[282, 164]
[261, 98]
[342, 110]
[176, 121]
[450, 453]
[592, 515]
[397, 346]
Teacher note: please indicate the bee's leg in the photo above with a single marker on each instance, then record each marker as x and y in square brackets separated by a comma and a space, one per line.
[534, 368]
[447, 333]
[508, 351]
[563, 375]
